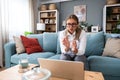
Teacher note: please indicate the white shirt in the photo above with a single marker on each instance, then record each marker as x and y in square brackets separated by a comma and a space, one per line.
[81, 43]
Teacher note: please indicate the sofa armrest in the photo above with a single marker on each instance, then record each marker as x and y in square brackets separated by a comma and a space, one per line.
[9, 49]
[109, 66]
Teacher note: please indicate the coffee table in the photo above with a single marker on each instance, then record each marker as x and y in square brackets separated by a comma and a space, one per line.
[13, 74]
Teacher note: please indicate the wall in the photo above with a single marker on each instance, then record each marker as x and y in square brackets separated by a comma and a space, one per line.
[94, 10]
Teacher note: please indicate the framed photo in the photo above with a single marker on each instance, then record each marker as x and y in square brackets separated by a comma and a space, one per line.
[46, 20]
[94, 29]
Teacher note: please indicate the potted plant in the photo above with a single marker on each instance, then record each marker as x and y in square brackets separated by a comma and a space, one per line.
[27, 33]
[118, 25]
[117, 29]
[86, 26]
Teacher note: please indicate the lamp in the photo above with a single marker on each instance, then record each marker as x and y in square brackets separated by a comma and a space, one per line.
[41, 26]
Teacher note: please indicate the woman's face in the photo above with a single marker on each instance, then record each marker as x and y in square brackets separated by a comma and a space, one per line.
[71, 25]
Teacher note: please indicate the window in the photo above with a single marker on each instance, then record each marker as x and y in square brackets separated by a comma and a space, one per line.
[19, 17]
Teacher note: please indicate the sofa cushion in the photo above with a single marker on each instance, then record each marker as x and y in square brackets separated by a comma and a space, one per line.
[31, 45]
[109, 35]
[38, 36]
[19, 45]
[112, 47]
[16, 57]
[95, 44]
[106, 65]
[57, 56]
[58, 44]
[50, 42]
[31, 57]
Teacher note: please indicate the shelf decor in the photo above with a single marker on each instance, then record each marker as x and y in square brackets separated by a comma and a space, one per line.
[41, 26]
[86, 26]
[112, 2]
[50, 18]
[52, 6]
[111, 18]
[43, 7]
[94, 29]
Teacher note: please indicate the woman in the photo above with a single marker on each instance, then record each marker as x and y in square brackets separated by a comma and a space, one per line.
[73, 41]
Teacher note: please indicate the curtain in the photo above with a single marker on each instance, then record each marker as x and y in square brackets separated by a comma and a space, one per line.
[32, 18]
[16, 17]
[20, 17]
[3, 27]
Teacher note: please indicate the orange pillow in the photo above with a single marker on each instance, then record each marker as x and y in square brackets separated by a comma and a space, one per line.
[31, 45]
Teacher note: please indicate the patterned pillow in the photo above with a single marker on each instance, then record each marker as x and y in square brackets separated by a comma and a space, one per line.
[19, 45]
[112, 47]
[31, 45]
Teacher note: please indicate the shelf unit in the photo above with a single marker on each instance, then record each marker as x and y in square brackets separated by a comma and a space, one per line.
[111, 16]
[51, 20]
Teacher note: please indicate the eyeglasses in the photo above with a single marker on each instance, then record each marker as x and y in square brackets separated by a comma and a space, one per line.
[71, 24]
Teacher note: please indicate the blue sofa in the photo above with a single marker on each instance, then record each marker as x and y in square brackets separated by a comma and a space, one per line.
[109, 66]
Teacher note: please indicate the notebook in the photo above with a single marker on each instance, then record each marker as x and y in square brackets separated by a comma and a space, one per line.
[70, 70]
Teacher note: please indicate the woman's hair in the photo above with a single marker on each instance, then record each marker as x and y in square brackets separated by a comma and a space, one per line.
[78, 30]
[72, 16]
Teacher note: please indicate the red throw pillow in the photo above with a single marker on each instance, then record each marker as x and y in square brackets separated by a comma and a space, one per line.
[31, 45]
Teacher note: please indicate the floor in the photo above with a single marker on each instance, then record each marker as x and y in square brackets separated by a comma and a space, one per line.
[2, 69]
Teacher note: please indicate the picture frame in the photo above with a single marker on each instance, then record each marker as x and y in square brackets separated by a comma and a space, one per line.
[80, 12]
[46, 20]
[94, 29]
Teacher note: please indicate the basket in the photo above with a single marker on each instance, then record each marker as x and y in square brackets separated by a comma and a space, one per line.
[43, 7]
[52, 7]
[112, 1]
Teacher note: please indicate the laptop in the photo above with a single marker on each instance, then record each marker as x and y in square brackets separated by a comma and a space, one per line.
[70, 70]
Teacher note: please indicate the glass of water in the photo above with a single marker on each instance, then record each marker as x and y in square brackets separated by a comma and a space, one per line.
[23, 62]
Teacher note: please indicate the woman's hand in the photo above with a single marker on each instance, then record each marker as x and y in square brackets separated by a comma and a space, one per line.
[74, 47]
[66, 43]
